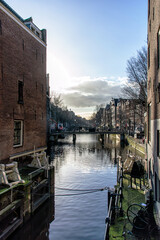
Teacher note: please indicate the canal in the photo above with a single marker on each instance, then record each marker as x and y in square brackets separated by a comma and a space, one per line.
[79, 209]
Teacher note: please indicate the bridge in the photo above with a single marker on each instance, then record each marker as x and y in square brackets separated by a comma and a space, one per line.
[55, 135]
[86, 132]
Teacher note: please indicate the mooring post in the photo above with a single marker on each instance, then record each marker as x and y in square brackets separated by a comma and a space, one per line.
[140, 182]
[102, 137]
[113, 209]
[109, 197]
[107, 220]
[122, 172]
[118, 171]
[74, 137]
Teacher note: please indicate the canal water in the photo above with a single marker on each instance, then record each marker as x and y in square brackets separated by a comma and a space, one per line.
[84, 166]
[82, 171]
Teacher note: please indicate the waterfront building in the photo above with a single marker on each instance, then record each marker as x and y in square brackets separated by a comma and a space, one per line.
[120, 120]
[153, 136]
[99, 117]
[108, 116]
[48, 107]
[130, 115]
[23, 124]
[113, 107]
[103, 123]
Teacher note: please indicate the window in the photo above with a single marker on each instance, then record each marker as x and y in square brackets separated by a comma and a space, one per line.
[158, 49]
[149, 123]
[0, 28]
[148, 8]
[18, 133]
[145, 130]
[35, 114]
[158, 93]
[37, 33]
[150, 26]
[20, 92]
[157, 193]
[153, 13]
[148, 57]
[36, 54]
[32, 29]
[158, 143]
[23, 45]
[2, 71]
[42, 89]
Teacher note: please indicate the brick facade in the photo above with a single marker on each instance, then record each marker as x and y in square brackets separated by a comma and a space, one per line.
[153, 138]
[22, 59]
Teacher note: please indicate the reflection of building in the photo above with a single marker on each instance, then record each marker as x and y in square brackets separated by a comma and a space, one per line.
[153, 138]
[22, 85]
[38, 226]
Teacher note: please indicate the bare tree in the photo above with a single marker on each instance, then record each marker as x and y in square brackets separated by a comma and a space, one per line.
[56, 99]
[136, 87]
[98, 107]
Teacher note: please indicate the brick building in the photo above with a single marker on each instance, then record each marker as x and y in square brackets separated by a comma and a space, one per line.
[108, 117]
[22, 85]
[113, 107]
[153, 136]
[121, 115]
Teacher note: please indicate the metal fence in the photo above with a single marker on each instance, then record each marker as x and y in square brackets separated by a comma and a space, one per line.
[114, 204]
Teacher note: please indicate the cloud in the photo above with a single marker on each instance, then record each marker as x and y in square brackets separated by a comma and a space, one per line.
[81, 100]
[97, 87]
[91, 92]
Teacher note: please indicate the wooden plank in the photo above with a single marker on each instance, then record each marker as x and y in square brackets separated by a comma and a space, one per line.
[39, 202]
[21, 154]
[10, 229]
[40, 185]
[4, 212]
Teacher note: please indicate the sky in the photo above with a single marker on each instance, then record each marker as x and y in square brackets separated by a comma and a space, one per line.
[88, 45]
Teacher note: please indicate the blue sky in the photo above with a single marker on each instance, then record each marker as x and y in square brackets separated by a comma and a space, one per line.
[89, 43]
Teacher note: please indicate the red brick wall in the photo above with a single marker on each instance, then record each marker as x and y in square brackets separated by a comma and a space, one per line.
[18, 63]
[153, 70]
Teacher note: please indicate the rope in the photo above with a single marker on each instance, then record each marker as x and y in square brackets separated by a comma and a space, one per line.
[83, 190]
[74, 194]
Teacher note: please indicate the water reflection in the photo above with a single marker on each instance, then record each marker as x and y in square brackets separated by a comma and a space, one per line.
[37, 228]
[84, 165]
